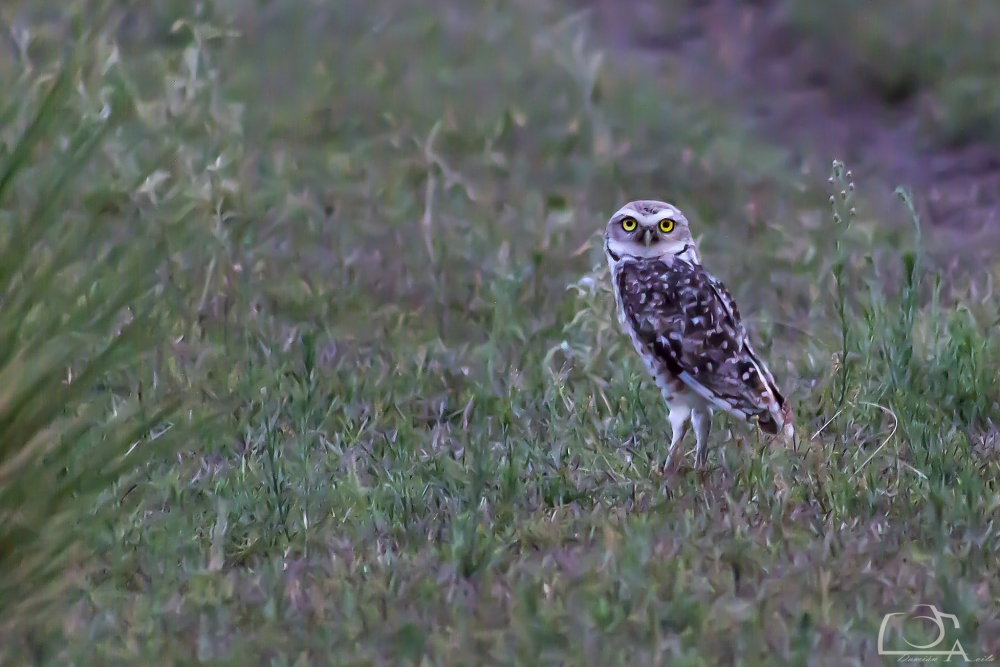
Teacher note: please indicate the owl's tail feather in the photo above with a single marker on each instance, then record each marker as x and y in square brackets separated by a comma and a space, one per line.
[780, 424]
[768, 424]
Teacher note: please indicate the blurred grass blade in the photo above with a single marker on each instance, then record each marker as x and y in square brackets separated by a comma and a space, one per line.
[36, 130]
[31, 231]
[65, 291]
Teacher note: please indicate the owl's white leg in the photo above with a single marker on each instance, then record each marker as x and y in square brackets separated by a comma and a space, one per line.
[679, 417]
[701, 420]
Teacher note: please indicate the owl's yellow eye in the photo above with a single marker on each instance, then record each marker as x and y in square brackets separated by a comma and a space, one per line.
[666, 226]
[629, 224]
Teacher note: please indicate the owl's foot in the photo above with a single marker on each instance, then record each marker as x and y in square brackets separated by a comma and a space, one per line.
[668, 467]
[702, 422]
[665, 476]
[680, 421]
[725, 467]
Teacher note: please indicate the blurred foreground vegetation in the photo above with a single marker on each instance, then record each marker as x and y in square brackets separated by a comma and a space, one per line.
[314, 360]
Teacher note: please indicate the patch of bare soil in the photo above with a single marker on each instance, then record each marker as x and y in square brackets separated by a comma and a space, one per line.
[745, 55]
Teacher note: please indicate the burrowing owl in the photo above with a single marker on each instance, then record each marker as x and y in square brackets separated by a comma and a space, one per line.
[686, 326]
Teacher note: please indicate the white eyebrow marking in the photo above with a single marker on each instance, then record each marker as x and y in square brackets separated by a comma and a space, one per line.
[629, 212]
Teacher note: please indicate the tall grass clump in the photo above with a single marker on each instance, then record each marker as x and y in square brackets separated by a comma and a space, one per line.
[929, 354]
[911, 417]
[79, 314]
[843, 213]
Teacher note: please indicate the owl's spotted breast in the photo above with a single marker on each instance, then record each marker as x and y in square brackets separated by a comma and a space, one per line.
[687, 321]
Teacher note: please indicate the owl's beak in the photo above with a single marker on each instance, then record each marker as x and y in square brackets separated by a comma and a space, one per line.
[647, 237]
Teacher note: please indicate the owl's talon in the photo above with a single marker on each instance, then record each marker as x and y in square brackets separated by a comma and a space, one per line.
[666, 469]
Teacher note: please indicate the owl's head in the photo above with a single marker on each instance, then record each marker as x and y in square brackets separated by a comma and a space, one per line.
[649, 229]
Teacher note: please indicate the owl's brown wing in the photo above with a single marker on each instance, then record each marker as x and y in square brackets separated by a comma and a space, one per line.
[689, 322]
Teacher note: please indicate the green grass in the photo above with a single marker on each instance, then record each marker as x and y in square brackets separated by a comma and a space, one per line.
[380, 275]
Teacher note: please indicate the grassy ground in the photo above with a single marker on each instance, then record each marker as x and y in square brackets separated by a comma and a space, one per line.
[915, 54]
[411, 433]
[918, 50]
